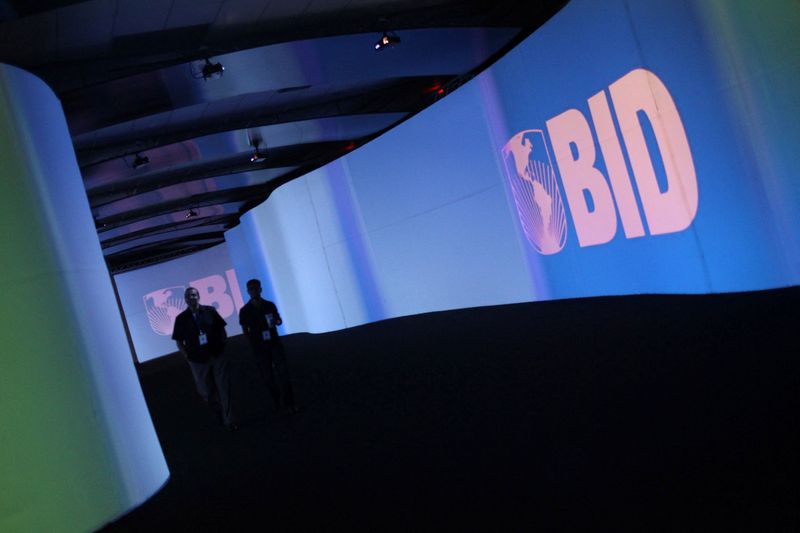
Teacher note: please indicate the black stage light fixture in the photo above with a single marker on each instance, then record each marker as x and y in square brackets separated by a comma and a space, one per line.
[387, 40]
[257, 156]
[191, 214]
[255, 140]
[212, 70]
[140, 160]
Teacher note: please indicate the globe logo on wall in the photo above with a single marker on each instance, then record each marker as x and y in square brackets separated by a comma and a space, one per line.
[162, 307]
[535, 190]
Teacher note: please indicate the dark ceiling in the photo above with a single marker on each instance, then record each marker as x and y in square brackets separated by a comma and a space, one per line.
[302, 80]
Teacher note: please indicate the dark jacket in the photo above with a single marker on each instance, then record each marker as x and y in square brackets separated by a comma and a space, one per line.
[254, 323]
[187, 331]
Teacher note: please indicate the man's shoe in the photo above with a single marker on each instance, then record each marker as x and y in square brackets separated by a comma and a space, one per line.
[231, 427]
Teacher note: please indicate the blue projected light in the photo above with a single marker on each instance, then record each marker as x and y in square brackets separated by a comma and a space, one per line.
[152, 297]
[78, 445]
[615, 151]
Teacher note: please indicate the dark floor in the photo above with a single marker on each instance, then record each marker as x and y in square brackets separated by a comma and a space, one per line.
[646, 413]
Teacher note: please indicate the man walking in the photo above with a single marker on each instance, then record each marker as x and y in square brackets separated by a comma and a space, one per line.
[200, 334]
[259, 319]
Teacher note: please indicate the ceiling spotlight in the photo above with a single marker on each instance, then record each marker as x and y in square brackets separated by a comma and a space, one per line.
[212, 70]
[191, 214]
[387, 40]
[140, 160]
[257, 156]
[255, 141]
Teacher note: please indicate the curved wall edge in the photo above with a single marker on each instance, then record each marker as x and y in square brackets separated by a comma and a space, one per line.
[625, 147]
[78, 445]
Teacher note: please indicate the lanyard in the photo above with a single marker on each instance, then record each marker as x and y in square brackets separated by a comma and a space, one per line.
[196, 318]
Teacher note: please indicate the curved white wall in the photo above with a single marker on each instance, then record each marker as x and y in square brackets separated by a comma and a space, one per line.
[625, 147]
[77, 446]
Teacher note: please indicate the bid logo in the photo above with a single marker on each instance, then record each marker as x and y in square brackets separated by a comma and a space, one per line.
[163, 305]
[595, 200]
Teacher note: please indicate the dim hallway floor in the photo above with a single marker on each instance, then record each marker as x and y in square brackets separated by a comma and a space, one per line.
[648, 413]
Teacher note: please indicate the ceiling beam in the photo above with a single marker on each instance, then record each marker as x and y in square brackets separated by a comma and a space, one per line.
[134, 54]
[398, 95]
[277, 157]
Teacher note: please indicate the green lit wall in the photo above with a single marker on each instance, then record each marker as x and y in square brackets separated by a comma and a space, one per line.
[77, 446]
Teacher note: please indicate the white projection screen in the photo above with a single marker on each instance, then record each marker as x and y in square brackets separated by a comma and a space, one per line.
[153, 296]
[602, 156]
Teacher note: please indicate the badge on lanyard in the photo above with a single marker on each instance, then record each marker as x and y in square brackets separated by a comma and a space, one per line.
[203, 339]
[265, 335]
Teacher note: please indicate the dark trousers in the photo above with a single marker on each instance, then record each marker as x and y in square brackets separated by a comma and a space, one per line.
[212, 379]
[271, 362]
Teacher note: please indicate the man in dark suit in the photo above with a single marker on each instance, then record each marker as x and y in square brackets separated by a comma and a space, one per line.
[259, 319]
[200, 334]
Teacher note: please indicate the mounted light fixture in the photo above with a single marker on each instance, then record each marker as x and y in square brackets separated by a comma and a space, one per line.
[255, 140]
[257, 156]
[191, 214]
[386, 40]
[139, 161]
[209, 70]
